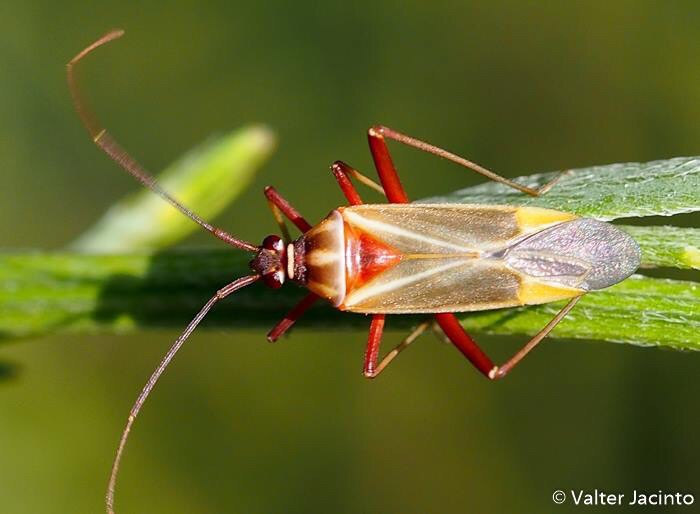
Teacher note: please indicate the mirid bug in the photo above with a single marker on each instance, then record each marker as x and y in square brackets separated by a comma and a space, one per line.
[401, 258]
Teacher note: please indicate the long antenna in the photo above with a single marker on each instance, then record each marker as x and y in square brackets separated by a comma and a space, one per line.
[108, 145]
[220, 294]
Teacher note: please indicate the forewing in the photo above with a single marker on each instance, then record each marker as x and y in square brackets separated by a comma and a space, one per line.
[451, 258]
[437, 285]
[436, 229]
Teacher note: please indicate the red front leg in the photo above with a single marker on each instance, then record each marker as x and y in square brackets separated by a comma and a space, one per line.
[280, 205]
[286, 208]
[291, 317]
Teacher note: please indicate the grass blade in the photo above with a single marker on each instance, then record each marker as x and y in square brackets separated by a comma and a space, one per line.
[666, 246]
[657, 188]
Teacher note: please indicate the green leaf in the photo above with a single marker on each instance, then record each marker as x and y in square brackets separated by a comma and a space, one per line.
[640, 310]
[207, 179]
[672, 247]
[633, 189]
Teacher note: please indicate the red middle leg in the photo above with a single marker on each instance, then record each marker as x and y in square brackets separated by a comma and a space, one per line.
[395, 193]
[342, 172]
[374, 341]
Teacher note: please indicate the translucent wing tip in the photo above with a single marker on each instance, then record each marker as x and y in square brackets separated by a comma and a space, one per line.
[582, 253]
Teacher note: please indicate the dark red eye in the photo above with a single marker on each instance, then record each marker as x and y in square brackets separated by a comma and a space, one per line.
[273, 243]
[274, 279]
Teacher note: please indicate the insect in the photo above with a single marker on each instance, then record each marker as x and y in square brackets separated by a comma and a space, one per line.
[401, 258]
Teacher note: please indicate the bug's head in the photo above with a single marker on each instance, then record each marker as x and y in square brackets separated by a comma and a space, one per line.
[270, 262]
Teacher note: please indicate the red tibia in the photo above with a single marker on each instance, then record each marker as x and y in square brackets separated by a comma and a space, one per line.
[395, 192]
[373, 342]
[464, 343]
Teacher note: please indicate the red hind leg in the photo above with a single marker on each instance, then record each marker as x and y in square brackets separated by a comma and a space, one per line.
[455, 333]
[464, 342]
[379, 132]
[388, 176]
[502, 371]
[395, 193]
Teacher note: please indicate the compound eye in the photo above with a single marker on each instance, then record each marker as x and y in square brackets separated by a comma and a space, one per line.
[274, 279]
[274, 243]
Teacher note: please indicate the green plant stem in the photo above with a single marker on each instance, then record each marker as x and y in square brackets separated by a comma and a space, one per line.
[625, 190]
[669, 247]
[50, 292]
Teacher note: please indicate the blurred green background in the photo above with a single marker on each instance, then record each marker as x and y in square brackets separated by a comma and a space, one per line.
[239, 425]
